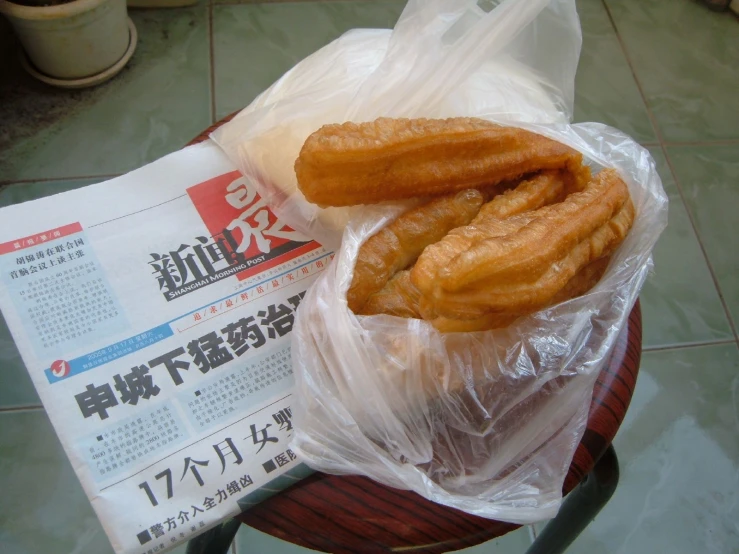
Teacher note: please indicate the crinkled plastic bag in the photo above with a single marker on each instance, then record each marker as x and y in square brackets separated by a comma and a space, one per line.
[485, 422]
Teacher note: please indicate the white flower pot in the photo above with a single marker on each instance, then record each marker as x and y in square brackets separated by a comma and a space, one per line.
[76, 42]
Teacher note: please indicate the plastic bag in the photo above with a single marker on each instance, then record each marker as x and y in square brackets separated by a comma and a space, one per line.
[484, 422]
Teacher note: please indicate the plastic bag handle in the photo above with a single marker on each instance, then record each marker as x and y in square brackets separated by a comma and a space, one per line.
[433, 65]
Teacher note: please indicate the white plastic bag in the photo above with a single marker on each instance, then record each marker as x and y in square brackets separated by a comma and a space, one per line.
[484, 422]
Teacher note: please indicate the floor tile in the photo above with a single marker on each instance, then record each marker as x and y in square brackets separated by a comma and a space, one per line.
[157, 104]
[515, 542]
[709, 176]
[271, 38]
[49, 511]
[687, 59]
[680, 303]
[605, 89]
[17, 193]
[16, 387]
[679, 460]
[250, 541]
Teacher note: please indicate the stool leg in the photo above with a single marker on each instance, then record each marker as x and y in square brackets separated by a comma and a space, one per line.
[579, 507]
[216, 540]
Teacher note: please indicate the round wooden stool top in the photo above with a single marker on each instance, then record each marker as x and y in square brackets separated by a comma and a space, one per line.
[340, 514]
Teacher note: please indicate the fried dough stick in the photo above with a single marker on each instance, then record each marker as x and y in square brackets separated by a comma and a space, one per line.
[398, 297]
[401, 298]
[392, 159]
[523, 271]
[581, 283]
[495, 219]
[398, 245]
[531, 251]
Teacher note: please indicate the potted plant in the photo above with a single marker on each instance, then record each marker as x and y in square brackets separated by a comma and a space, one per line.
[72, 43]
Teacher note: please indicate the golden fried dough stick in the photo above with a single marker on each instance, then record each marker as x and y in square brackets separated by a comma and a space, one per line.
[398, 297]
[585, 280]
[581, 283]
[392, 159]
[398, 245]
[529, 252]
[436, 256]
[520, 295]
[494, 219]
[483, 323]
[534, 192]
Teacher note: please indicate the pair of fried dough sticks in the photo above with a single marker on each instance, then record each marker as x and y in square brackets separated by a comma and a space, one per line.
[513, 222]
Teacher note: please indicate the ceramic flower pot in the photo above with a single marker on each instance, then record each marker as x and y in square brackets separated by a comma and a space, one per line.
[76, 43]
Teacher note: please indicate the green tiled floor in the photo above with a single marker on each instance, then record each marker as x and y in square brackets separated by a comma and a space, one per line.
[686, 62]
[664, 71]
[612, 96]
[679, 456]
[274, 35]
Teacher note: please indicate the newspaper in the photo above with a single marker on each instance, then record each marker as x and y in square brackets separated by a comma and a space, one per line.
[153, 312]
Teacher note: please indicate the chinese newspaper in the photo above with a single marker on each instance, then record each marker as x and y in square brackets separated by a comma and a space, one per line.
[153, 313]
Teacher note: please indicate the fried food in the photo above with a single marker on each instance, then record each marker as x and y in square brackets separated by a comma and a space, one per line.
[540, 246]
[398, 297]
[532, 193]
[518, 224]
[523, 271]
[495, 219]
[554, 232]
[392, 159]
[581, 283]
[397, 246]
[482, 323]
[401, 298]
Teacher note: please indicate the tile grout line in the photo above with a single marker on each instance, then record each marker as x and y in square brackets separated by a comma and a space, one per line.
[727, 142]
[56, 179]
[211, 53]
[652, 119]
[702, 246]
[720, 142]
[29, 408]
[678, 184]
[684, 345]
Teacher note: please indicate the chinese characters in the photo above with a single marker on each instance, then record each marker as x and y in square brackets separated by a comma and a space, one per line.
[204, 354]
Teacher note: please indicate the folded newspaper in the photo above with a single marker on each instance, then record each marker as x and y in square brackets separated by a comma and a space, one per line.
[153, 312]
